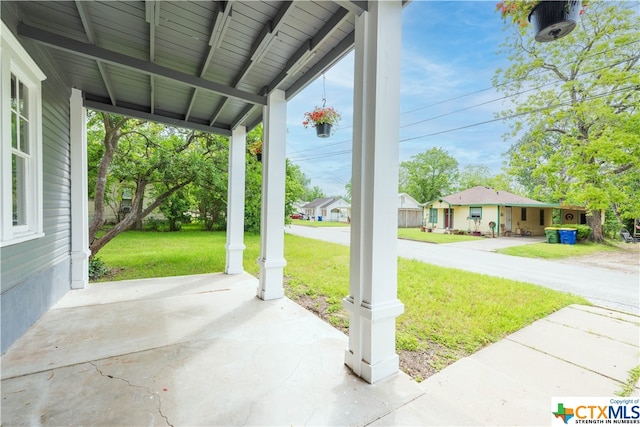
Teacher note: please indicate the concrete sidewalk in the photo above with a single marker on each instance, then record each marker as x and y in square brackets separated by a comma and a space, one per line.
[203, 350]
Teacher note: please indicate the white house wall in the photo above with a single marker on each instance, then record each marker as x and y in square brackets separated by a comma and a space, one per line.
[35, 274]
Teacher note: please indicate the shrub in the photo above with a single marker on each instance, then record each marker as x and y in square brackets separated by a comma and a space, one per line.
[97, 268]
[582, 231]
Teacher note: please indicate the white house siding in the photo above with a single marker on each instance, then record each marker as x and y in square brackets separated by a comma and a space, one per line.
[36, 274]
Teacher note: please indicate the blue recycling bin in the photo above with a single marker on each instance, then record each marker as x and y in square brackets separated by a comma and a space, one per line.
[319, 217]
[568, 236]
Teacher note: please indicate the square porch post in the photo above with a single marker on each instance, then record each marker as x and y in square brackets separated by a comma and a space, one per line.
[79, 195]
[372, 302]
[271, 259]
[235, 201]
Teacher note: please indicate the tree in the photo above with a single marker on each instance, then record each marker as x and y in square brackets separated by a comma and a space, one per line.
[429, 175]
[313, 193]
[576, 99]
[176, 209]
[295, 186]
[348, 188]
[149, 159]
[474, 175]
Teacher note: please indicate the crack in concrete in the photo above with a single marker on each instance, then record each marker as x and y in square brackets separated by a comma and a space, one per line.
[130, 384]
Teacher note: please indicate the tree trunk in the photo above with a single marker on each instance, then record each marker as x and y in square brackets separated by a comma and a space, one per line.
[594, 220]
[133, 216]
[111, 138]
[138, 224]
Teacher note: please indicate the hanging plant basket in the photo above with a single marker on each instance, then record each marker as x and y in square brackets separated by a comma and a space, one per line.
[323, 119]
[323, 130]
[255, 148]
[554, 19]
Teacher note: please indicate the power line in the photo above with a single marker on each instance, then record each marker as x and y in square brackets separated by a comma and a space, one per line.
[513, 116]
[509, 96]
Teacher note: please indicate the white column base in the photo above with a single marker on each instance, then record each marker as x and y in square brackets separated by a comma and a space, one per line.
[235, 255]
[271, 274]
[373, 373]
[376, 328]
[80, 269]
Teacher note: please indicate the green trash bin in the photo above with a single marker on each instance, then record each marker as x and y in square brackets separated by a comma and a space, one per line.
[553, 235]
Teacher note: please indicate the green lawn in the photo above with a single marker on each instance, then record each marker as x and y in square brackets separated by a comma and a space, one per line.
[556, 251]
[424, 236]
[140, 254]
[448, 313]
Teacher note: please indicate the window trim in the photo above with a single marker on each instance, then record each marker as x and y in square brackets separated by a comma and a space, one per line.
[16, 61]
[475, 207]
[433, 216]
[541, 216]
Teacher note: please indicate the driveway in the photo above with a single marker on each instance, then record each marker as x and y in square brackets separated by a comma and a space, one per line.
[618, 290]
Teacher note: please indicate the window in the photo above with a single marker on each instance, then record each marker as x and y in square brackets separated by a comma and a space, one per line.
[523, 214]
[21, 150]
[475, 212]
[541, 216]
[433, 216]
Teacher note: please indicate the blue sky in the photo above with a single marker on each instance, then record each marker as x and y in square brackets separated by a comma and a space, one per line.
[449, 50]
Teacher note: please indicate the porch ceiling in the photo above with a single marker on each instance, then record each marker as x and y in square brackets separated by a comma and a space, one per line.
[204, 65]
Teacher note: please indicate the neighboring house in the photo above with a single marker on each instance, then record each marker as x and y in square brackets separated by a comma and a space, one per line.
[476, 208]
[299, 206]
[409, 211]
[328, 209]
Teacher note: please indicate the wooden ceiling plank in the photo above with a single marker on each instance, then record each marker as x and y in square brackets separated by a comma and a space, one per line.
[91, 36]
[95, 52]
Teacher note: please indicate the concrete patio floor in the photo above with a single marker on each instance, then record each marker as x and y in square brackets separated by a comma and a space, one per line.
[203, 350]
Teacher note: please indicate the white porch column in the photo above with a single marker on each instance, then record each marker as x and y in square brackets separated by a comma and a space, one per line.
[235, 201]
[79, 195]
[372, 302]
[271, 259]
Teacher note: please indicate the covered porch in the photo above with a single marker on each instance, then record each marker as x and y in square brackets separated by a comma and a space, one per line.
[219, 67]
[191, 350]
[204, 350]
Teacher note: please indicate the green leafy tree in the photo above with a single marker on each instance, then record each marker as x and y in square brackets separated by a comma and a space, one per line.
[313, 193]
[474, 175]
[151, 159]
[176, 209]
[429, 175]
[295, 185]
[348, 186]
[576, 101]
[209, 189]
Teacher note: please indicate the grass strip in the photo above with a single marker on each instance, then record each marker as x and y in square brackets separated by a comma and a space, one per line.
[423, 236]
[630, 385]
[555, 251]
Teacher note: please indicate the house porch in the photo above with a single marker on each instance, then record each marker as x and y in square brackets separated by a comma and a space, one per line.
[191, 350]
[204, 350]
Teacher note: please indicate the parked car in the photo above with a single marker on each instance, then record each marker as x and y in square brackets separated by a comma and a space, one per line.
[297, 216]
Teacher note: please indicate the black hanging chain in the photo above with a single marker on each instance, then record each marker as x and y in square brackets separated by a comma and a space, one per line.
[324, 90]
